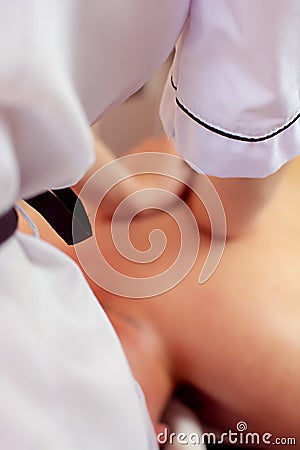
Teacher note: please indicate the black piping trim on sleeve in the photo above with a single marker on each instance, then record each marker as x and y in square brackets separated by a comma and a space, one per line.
[227, 134]
[173, 84]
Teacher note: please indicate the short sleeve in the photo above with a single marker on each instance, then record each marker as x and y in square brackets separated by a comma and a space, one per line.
[231, 103]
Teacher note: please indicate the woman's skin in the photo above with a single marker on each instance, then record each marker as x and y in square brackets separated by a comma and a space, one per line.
[234, 339]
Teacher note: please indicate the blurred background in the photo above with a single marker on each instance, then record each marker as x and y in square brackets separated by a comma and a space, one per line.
[138, 118]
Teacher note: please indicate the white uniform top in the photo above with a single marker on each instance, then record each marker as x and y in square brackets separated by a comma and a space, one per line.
[232, 101]
[64, 380]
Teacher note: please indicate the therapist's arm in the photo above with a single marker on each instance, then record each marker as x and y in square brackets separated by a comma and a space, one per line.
[134, 183]
[243, 200]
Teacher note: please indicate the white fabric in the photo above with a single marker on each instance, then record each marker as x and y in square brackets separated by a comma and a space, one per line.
[34, 228]
[64, 380]
[63, 64]
[186, 426]
[152, 438]
[237, 69]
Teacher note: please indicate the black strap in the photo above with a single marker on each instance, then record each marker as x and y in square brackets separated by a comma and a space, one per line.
[58, 208]
[8, 225]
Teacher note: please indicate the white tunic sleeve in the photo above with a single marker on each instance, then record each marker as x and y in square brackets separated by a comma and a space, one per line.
[231, 103]
[62, 65]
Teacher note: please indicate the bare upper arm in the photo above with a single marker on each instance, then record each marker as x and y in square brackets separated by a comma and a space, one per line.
[242, 198]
